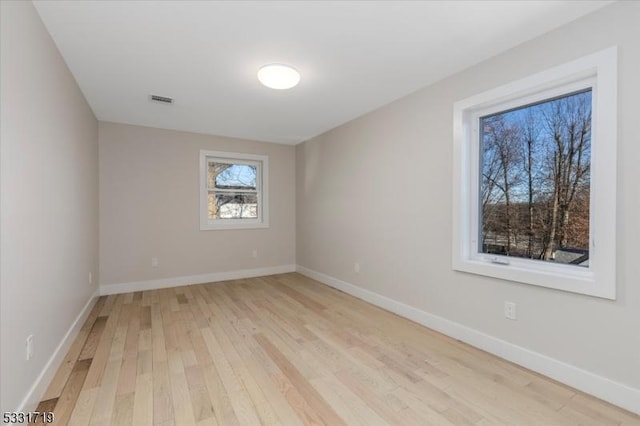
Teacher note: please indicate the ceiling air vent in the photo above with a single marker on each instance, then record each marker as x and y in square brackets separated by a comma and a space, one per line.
[161, 99]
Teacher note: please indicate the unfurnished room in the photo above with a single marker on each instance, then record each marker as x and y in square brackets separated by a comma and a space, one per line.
[320, 212]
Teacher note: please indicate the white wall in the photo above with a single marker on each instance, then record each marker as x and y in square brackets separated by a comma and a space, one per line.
[377, 191]
[49, 199]
[149, 207]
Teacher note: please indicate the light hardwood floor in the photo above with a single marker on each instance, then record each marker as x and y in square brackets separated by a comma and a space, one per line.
[288, 350]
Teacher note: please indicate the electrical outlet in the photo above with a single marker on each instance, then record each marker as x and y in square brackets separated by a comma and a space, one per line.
[510, 310]
[254, 253]
[29, 347]
[356, 268]
[154, 262]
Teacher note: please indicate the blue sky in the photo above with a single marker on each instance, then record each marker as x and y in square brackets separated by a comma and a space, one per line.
[238, 175]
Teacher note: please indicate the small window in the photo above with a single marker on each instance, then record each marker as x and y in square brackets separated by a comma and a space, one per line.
[535, 176]
[233, 190]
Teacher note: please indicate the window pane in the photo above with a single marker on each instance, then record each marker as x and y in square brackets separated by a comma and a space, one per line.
[231, 176]
[230, 205]
[535, 180]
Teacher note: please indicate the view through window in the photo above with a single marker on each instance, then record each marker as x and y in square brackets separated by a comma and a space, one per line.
[535, 180]
[232, 190]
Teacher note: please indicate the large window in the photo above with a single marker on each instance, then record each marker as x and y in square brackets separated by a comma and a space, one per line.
[534, 179]
[535, 164]
[233, 190]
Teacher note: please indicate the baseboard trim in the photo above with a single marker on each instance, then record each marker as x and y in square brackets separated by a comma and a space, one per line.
[611, 391]
[39, 387]
[107, 289]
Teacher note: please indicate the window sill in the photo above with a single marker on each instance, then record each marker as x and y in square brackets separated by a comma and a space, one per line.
[227, 226]
[555, 276]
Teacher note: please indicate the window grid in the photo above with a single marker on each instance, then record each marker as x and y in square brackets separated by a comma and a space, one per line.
[240, 199]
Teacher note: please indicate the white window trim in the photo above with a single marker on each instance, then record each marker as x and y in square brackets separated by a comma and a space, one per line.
[262, 185]
[599, 71]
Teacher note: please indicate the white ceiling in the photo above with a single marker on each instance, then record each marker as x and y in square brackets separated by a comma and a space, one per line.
[353, 56]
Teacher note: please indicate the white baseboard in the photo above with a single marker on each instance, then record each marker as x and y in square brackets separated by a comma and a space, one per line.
[107, 289]
[39, 387]
[614, 392]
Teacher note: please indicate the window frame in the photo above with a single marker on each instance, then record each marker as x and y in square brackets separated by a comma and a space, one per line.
[597, 71]
[262, 189]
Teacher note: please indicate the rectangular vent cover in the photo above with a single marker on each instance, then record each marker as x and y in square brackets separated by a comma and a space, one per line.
[162, 99]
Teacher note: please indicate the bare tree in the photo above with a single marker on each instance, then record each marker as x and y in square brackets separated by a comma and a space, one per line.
[530, 134]
[500, 146]
[569, 123]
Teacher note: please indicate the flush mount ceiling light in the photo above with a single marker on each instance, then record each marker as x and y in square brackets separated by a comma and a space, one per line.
[278, 76]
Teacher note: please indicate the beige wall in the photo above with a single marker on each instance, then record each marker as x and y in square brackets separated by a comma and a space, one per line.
[149, 189]
[49, 199]
[377, 191]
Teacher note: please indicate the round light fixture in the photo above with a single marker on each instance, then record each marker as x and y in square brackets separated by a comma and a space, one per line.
[278, 76]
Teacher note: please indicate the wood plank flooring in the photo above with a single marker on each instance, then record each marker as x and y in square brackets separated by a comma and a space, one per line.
[287, 350]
